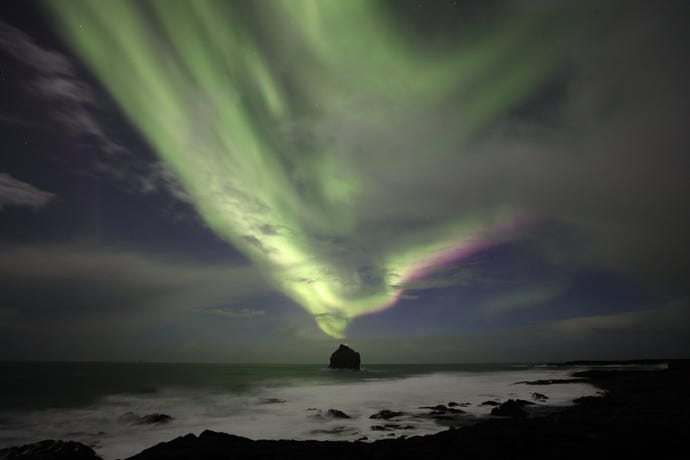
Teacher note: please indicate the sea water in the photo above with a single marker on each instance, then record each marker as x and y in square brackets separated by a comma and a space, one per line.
[98, 403]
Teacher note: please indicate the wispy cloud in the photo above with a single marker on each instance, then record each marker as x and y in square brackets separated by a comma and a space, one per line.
[14, 192]
[53, 78]
[76, 107]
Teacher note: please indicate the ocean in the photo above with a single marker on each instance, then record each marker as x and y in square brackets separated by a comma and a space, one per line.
[101, 404]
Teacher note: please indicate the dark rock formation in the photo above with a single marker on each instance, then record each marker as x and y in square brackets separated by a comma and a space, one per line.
[386, 414]
[344, 358]
[511, 408]
[391, 427]
[490, 403]
[539, 397]
[462, 404]
[50, 450]
[438, 407]
[335, 413]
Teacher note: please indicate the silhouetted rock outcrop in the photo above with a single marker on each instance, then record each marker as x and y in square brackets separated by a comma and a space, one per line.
[344, 358]
[335, 413]
[490, 403]
[511, 408]
[386, 414]
[50, 450]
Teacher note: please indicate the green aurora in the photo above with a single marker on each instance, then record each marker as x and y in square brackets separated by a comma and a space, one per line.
[250, 105]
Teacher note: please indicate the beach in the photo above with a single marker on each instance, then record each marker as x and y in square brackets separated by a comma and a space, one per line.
[635, 410]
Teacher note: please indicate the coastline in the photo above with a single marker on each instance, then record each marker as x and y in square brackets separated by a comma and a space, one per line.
[642, 414]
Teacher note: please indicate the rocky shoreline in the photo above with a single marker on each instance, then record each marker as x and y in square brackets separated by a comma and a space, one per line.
[640, 414]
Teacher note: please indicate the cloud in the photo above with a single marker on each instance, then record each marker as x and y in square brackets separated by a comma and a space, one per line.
[578, 124]
[70, 100]
[14, 192]
[105, 288]
[598, 153]
[66, 98]
[659, 332]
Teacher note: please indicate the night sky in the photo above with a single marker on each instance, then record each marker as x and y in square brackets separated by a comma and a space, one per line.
[428, 181]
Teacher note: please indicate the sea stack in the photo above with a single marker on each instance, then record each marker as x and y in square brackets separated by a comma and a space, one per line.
[344, 358]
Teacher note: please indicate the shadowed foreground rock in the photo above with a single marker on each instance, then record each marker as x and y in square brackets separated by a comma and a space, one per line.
[344, 358]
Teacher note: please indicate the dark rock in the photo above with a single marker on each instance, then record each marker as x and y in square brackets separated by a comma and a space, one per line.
[539, 397]
[363, 438]
[524, 403]
[391, 427]
[462, 404]
[682, 365]
[596, 402]
[438, 407]
[334, 430]
[335, 413]
[50, 450]
[511, 408]
[344, 358]
[386, 414]
[456, 411]
[490, 403]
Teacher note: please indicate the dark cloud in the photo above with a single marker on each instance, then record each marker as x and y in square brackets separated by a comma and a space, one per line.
[652, 333]
[599, 152]
[14, 192]
[72, 285]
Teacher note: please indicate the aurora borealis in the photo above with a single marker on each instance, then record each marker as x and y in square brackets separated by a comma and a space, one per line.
[211, 176]
[219, 103]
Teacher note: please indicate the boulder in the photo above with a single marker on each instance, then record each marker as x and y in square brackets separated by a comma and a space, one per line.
[511, 408]
[539, 397]
[440, 407]
[462, 404]
[490, 403]
[344, 358]
[50, 450]
[386, 414]
[335, 413]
